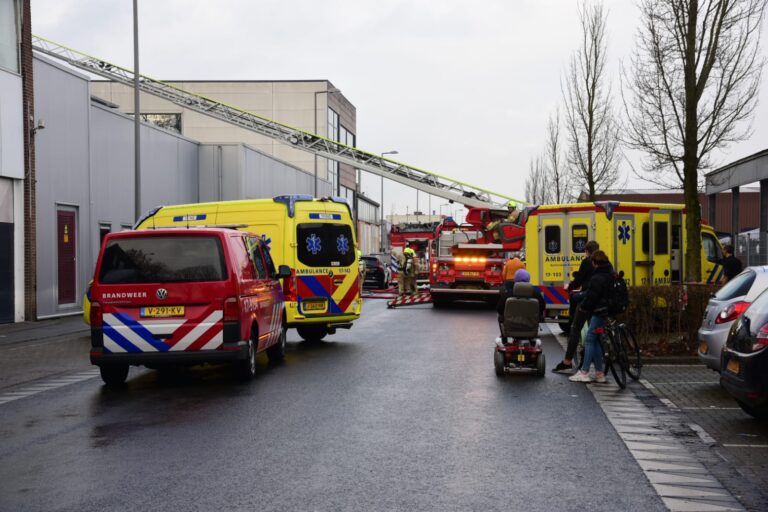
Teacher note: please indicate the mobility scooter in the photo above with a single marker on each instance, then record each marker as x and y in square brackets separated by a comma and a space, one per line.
[519, 348]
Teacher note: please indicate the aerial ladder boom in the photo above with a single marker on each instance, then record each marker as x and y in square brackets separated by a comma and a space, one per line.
[425, 181]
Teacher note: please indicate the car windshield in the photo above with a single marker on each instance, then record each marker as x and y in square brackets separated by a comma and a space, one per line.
[371, 262]
[162, 260]
[737, 287]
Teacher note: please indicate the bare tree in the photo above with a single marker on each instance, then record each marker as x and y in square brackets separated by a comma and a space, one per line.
[537, 188]
[554, 162]
[695, 76]
[593, 153]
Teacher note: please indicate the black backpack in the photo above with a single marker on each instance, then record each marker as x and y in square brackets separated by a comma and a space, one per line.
[618, 295]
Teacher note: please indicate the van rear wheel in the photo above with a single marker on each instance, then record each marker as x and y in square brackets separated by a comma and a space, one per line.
[276, 352]
[246, 370]
[114, 375]
[312, 333]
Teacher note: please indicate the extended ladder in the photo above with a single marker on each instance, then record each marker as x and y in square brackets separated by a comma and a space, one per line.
[420, 179]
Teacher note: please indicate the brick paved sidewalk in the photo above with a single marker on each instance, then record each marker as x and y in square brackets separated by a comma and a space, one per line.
[737, 437]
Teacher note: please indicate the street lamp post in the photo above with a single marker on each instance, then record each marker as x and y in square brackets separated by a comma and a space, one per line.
[328, 91]
[136, 117]
[383, 233]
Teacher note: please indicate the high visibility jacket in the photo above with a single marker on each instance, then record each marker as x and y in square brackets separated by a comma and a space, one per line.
[510, 267]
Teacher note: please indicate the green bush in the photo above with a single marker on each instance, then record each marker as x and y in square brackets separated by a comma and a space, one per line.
[665, 319]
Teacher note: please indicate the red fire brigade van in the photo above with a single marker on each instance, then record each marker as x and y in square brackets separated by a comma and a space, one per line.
[185, 296]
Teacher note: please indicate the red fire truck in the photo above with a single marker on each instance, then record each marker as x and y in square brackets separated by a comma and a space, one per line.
[467, 259]
[417, 236]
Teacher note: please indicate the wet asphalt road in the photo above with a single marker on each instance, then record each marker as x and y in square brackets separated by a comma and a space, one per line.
[403, 412]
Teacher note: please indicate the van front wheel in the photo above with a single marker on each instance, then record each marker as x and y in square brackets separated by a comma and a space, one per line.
[312, 332]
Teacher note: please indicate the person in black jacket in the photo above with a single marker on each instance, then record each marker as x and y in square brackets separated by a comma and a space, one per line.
[595, 303]
[731, 264]
[580, 282]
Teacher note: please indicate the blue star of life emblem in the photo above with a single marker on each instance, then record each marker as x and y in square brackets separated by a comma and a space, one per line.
[342, 244]
[624, 235]
[314, 244]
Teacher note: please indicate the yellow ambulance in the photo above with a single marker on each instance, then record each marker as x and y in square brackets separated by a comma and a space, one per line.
[644, 241]
[315, 237]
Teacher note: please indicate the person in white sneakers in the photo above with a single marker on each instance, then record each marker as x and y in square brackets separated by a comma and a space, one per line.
[595, 303]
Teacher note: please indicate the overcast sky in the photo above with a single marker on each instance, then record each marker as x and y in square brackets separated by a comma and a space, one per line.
[460, 88]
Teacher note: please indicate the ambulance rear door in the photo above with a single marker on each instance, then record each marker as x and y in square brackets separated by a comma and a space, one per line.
[552, 250]
[661, 247]
[581, 229]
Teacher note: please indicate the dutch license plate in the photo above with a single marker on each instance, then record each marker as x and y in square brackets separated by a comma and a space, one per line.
[520, 358]
[703, 347]
[565, 313]
[733, 366]
[471, 274]
[162, 311]
[313, 305]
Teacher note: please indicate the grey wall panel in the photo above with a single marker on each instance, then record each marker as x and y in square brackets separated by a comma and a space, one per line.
[62, 160]
[244, 172]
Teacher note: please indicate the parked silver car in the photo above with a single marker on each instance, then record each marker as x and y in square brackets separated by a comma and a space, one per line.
[724, 308]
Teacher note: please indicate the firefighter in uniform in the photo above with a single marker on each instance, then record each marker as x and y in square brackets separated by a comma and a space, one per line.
[405, 270]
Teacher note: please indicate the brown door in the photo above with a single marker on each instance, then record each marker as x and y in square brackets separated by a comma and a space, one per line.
[67, 243]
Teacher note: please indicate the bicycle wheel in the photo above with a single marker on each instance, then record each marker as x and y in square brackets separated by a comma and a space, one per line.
[614, 360]
[632, 349]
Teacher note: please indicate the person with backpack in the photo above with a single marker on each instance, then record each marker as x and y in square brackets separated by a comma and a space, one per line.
[577, 288]
[596, 303]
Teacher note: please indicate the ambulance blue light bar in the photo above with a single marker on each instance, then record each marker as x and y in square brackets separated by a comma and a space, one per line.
[290, 201]
[325, 216]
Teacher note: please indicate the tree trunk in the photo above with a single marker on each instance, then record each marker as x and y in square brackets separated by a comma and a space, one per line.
[691, 153]
[692, 223]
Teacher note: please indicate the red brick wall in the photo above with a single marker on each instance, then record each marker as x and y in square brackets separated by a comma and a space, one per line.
[30, 217]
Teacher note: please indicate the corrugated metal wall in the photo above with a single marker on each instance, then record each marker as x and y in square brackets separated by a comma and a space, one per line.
[238, 171]
[85, 163]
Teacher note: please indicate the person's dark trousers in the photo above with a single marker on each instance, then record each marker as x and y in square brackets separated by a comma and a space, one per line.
[578, 319]
[576, 298]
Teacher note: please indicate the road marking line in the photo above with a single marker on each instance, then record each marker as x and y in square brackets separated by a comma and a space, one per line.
[745, 445]
[702, 433]
[46, 385]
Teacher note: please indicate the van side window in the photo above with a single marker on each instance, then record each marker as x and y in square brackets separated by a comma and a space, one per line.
[711, 248]
[579, 237]
[552, 239]
[254, 252]
[270, 263]
[646, 238]
[661, 238]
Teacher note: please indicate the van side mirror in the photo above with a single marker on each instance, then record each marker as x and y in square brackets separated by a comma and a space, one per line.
[283, 271]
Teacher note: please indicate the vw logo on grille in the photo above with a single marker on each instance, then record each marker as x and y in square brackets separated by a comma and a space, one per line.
[162, 293]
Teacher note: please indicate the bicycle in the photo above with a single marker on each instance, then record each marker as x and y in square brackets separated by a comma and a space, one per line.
[621, 352]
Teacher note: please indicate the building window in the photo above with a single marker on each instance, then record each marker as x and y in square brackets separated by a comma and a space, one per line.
[333, 125]
[9, 35]
[346, 137]
[170, 122]
[104, 229]
[333, 175]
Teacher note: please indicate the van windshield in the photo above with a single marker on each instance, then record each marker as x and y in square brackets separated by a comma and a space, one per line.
[174, 259]
[325, 245]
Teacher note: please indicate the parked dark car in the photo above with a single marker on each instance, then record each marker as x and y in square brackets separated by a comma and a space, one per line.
[744, 362]
[376, 273]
